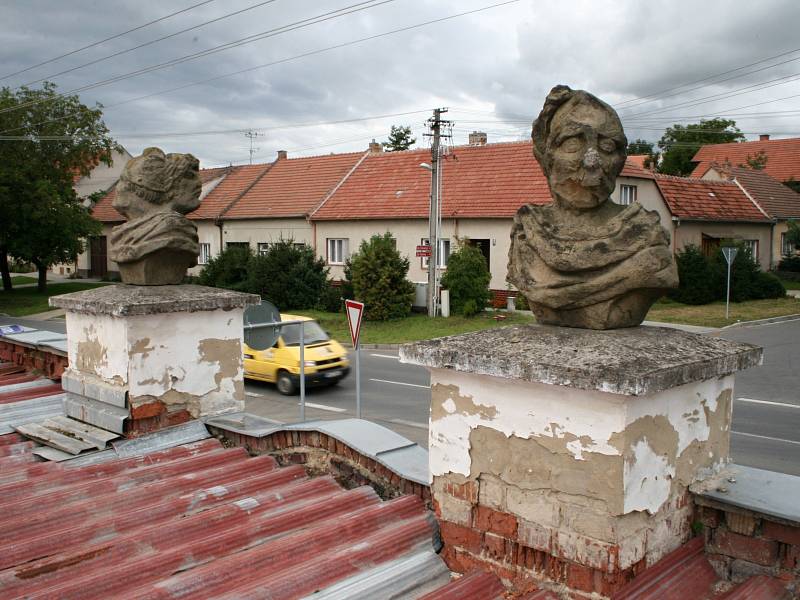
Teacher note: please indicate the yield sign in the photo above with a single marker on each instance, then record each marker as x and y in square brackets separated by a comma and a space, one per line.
[355, 310]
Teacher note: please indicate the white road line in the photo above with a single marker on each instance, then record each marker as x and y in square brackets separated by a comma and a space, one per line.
[409, 423]
[252, 395]
[385, 356]
[783, 404]
[401, 383]
[335, 409]
[766, 437]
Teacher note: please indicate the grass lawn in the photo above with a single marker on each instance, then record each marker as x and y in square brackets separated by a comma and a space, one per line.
[713, 315]
[790, 285]
[20, 279]
[28, 301]
[410, 329]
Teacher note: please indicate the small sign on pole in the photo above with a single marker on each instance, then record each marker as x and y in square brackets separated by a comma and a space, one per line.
[423, 251]
[355, 311]
[730, 255]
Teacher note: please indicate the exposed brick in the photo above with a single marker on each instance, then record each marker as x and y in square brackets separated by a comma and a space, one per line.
[783, 533]
[710, 517]
[580, 577]
[741, 523]
[791, 559]
[495, 547]
[144, 411]
[757, 550]
[535, 535]
[488, 519]
[465, 491]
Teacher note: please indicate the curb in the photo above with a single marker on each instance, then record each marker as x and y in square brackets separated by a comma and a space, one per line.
[373, 346]
[763, 321]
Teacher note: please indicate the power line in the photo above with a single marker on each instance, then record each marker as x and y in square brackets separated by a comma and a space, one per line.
[150, 43]
[293, 58]
[108, 39]
[209, 51]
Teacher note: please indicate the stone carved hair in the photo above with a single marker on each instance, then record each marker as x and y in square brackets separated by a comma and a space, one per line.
[558, 97]
[156, 177]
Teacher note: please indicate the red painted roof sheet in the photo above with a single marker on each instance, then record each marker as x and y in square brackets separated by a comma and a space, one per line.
[479, 585]
[783, 157]
[706, 200]
[294, 187]
[104, 212]
[780, 201]
[491, 180]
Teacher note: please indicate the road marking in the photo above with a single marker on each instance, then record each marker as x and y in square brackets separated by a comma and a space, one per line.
[385, 356]
[252, 395]
[409, 423]
[768, 402]
[335, 409]
[401, 383]
[766, 437]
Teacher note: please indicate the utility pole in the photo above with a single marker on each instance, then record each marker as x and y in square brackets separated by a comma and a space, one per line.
[435, 123]
[252, 135]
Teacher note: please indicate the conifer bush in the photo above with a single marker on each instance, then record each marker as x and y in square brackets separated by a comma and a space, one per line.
[378, 276]
[467, 278]
[228, 269]
[289, 275]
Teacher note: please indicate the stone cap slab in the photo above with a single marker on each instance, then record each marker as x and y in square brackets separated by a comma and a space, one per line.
[634, 361]
[131, 300]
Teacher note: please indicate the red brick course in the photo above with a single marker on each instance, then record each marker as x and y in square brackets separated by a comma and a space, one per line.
[488, 519]
[47, 364]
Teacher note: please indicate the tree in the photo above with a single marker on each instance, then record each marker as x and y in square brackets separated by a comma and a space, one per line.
[793, 233]
[399, 139]
[640, 146]
[757, 161]
[228, 269]
[378, 274]
[55, 139]
[680, 143]
[289, 275]
[467, 278]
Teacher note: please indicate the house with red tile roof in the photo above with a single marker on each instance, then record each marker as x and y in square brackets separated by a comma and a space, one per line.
[483, 186]
[705, 212]
[783, 157]
[778, 200]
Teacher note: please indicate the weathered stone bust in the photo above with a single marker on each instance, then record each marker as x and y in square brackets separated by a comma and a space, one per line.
[583, 260]
[157, 244]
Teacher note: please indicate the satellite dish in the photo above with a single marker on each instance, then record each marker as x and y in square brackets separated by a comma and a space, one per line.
[256, 334]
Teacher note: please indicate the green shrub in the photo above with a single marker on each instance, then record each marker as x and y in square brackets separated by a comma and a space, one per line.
[767, 285]
[378, 274]
[744, 273]
[467, 278]
[521, 303]
[332, 299]
[228, 269]
[698, 279]
[289, 275]
[790, 263]
[470, 308]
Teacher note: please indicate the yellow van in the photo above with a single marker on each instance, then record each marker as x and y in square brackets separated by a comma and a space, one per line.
[326, 359]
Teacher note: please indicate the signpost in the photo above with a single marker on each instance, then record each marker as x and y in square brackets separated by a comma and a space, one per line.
[423, 251]
[355, 310]
[730, 255]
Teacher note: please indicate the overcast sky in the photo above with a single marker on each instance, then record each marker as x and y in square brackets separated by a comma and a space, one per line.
[492, 68]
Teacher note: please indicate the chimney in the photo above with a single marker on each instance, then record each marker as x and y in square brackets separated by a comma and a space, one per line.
[477, 138]
[552, 462]
[764, 137]
[375, 147]
[282, 154]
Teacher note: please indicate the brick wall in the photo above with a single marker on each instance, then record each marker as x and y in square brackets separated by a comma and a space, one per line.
[47, 364]
[320, 453]
[741, 543]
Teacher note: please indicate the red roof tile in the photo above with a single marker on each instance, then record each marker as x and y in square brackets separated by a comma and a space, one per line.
[780, 201]
[706, 200]
[104, 211]
[228, 191]
[294, 187]
[491, 180]
[638, 160]
[783, 156]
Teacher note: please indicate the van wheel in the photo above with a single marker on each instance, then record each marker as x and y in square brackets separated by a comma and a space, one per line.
[285, 384]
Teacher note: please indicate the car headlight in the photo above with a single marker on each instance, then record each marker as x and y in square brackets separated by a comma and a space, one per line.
[310, 363]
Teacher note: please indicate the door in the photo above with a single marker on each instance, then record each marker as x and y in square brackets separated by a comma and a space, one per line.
[485, 247]
[98, 256]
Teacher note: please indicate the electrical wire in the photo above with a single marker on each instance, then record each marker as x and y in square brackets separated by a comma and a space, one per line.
[108, 39]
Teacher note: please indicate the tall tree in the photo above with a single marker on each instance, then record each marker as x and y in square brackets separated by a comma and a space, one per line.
[399, 139]
[54, 140]
[640, 146]
[680, 143]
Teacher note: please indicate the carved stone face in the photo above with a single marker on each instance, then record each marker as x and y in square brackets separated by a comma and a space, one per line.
[587, 151]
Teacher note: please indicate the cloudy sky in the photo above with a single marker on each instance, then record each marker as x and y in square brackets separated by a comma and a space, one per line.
[290, 69]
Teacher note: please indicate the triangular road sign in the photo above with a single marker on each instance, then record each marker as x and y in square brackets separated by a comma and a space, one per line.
[355, 310]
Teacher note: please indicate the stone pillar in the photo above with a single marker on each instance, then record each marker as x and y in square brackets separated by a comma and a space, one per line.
[565, 455]
[145, 357]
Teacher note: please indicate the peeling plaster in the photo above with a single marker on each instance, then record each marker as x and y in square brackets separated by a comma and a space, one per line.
[647, 478]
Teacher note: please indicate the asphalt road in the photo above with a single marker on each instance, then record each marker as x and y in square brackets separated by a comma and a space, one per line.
[766, 411]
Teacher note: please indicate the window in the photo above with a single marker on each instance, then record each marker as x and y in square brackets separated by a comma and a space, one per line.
[205, 254]
[787, 248]
[337, 251]
[263, 247]
[752, 246]
[627, 194]
[237, 244]
[444, 253]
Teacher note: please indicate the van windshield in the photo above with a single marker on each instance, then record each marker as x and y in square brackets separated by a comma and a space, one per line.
[312, 333]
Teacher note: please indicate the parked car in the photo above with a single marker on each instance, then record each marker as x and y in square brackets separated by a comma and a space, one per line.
[326, 361]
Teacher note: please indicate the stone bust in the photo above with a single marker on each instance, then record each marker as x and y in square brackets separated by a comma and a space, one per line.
[158, 243]
[583, 260]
